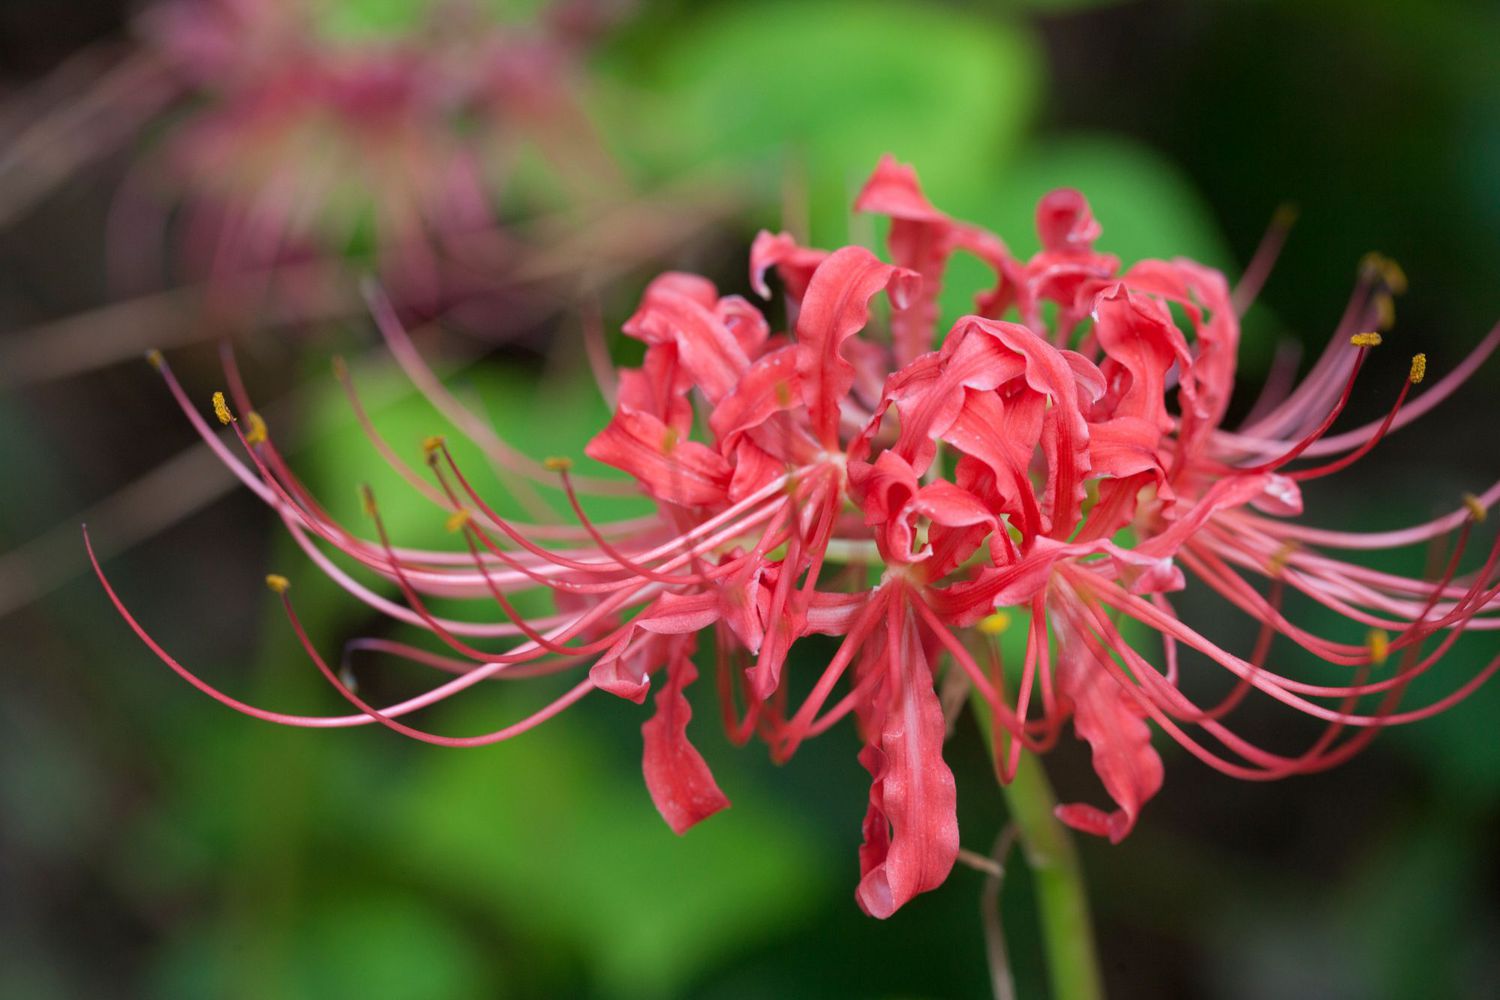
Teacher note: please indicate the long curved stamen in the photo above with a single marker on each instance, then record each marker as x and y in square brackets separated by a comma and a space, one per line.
[1263, 259]
[1363, 341]
[582, 688]
[1418, 370]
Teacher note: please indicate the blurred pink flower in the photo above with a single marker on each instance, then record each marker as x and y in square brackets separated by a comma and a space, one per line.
[857, 477]
[281, 134]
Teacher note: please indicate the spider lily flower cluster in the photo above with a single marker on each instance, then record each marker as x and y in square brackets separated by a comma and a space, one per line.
[297, 139]
[860, 477]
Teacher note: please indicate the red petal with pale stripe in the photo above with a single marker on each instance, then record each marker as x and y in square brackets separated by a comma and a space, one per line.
[911, 829]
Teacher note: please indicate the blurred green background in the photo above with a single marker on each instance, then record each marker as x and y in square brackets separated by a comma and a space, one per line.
[154, 844]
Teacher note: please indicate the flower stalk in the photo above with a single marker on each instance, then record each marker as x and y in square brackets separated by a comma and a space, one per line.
[1057, 874]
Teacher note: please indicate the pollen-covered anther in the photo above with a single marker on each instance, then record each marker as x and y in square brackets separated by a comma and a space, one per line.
[458, 520]
[1277, 563]
[257, 433]
[1378, 642]
[557, 463]
[1385, 310]
[1418, 368]
[155, 359]
[1476, 507]
[367, 499]
[1389, 273]
[1369, 339]
[221, 410]
[669, 440]
[994, 624]
[277, 583]
[783, 394]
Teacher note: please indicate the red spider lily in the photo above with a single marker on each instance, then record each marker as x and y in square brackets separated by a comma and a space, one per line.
[861, 479]
[293, 141]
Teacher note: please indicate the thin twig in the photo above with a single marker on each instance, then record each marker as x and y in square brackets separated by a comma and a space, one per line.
[1002, 983]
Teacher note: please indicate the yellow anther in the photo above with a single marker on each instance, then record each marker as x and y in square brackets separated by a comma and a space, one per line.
[458, 520]
[557, 463]
[1281, 557]
[1418, 368]
[154, 359]
[432, 445]
[1370, 339]
[1379, 644]
[783, 395]
[367, 499]
[257, 432]
[1476, 508]
[1385, 310]
[340, 368]
[669, 440]
[1387, 270]
[994, 624]
[277, 583]
[221, 409]
[1285, 216]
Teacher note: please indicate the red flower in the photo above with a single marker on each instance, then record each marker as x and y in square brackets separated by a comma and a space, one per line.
[293, 137]
[902, 493]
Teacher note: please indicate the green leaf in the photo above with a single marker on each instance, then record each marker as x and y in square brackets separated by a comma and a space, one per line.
[822, 89]
[555, 832]
[361, 943]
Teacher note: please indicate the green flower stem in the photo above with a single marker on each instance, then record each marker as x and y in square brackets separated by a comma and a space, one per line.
[1067, 932]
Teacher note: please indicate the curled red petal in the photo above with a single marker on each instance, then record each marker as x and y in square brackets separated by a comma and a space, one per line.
[677, 776]
[836, 307]
[920, 239]
[668, 468]
[911, 828]
[1065, 435]
[1142, 344]
[794, 263]
[683, 310]
[1113, 724]
[1065, 222]
[625, 669]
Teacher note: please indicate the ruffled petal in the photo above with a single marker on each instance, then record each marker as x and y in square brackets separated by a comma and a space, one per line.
[625, 669]
[911, 828]
[668, 468]
[678, 309]
[677, 776]
[1114, 725]
[837, 306]
[794, 264]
